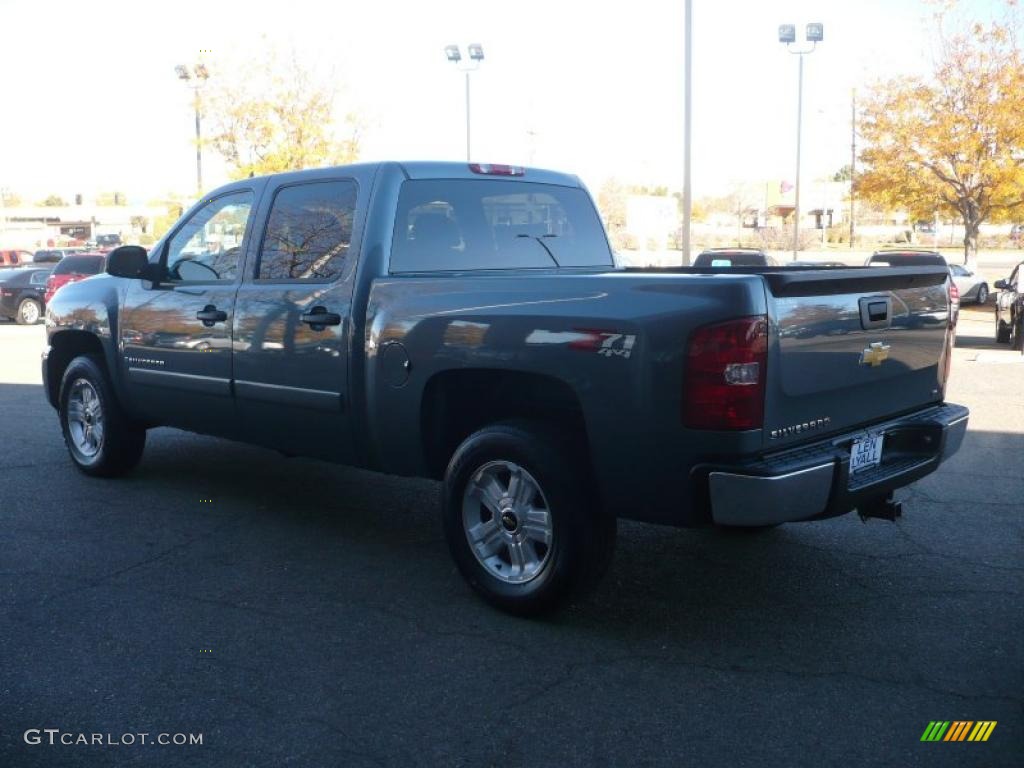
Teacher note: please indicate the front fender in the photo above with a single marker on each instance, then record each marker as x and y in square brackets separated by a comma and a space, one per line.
[81, 318]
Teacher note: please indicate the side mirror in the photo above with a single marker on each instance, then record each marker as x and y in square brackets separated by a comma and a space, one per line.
[1001, 285]
[131, 261]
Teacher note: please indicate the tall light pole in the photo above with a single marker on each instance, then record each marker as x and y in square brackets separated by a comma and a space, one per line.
[195, 78]
[476, 55]
[787, 35]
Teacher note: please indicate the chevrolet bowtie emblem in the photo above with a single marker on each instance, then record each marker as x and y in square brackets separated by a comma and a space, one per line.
[875, 354]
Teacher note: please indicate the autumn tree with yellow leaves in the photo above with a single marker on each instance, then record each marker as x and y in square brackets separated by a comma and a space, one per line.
[951, 143]
[274, 114]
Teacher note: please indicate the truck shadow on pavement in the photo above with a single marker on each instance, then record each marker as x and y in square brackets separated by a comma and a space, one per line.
[327, 592]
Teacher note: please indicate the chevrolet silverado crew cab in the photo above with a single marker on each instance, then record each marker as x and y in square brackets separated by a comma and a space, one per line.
[468, 323]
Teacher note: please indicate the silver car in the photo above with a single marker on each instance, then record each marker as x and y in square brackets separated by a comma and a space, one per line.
[972, 286]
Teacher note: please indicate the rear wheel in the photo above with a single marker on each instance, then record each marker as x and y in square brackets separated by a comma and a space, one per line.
[522, 518]
[30, 312]
[99, 436]
[1017, 337]
[982, 293]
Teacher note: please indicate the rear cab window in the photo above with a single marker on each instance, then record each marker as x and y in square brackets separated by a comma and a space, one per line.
[481, 224]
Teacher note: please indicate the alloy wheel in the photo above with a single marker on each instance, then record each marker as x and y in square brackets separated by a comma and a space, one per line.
[507, 522]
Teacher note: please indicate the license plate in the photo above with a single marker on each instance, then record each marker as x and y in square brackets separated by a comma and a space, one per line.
[865, 453]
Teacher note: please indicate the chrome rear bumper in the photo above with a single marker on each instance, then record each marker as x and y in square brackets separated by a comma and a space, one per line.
[814, 481]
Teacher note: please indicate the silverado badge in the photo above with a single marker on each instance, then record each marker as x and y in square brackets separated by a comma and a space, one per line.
[875, 354]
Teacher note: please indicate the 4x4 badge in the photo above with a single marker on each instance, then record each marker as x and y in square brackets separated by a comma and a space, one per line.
[875, 354]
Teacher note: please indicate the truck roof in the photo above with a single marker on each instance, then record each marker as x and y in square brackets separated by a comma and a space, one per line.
[439, 169]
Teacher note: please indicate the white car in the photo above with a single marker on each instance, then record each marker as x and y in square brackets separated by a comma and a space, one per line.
[972, 287]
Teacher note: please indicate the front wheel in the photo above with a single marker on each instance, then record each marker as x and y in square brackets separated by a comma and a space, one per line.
[522, 519]
[99, 436]
[1017, 339]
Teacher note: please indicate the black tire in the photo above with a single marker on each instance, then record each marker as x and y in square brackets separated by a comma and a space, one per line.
[23, 307]
[1017, 339]
[582, 532]
[120, 447]
[1002, 332]
[982, 293]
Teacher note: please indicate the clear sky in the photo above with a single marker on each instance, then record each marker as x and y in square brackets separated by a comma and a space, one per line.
[91, 102]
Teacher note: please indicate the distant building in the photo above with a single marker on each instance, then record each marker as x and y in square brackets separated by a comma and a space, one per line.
[823, 204]
[39, 226]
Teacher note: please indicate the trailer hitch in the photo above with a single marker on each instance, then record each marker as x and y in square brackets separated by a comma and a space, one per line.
[882, 507]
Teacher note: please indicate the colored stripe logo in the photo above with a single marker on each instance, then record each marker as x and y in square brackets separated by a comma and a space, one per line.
[958, 730]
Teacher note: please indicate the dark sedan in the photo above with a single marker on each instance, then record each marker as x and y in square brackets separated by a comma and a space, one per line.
[1010, 309]
[733, 257]
[22, 294]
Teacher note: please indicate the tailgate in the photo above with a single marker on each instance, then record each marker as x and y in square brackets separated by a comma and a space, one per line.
[852, 346]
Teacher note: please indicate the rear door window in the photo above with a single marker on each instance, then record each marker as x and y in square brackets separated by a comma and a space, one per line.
[476, 224]
[309, 232]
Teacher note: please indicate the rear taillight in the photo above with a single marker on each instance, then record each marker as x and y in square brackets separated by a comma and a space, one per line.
[724, 382]
[492, 169]
[954, 301]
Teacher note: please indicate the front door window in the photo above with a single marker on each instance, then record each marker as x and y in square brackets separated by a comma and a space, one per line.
[209, 247]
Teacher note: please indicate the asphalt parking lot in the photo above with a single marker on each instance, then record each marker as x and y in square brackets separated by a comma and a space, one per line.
[297, 613]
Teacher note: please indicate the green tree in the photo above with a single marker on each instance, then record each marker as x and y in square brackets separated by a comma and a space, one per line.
[843, 174]
[952, 142]
[9, 198]
[54, 201]
[273, 114]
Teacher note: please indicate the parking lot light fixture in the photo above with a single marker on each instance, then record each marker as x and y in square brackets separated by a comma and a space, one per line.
[476, 55]
[813, 34]
[195, 78]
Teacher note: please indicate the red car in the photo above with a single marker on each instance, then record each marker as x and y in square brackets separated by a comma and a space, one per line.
[74, 268]
[15, 258]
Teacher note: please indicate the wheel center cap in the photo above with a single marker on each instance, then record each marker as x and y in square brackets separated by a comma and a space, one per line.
[509, 520]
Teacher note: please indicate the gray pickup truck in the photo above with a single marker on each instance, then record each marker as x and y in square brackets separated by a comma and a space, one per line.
[468, 323]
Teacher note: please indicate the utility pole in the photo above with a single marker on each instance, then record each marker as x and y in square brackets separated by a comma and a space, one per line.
[853, 155]
[687, 125]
